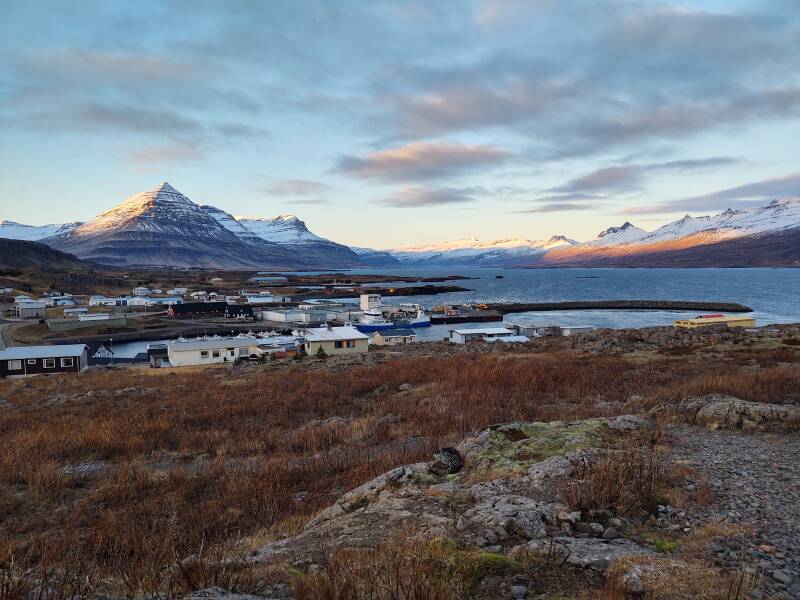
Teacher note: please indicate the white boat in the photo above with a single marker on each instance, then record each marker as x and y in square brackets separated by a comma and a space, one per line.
[413, 315]
[372, 319]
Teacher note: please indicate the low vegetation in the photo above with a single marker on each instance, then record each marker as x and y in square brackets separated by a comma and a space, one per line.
[111, 479]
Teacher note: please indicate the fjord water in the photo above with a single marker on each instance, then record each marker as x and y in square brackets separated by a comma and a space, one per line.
[773, 294]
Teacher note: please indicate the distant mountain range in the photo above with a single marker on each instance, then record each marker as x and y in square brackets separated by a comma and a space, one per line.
[162, 227]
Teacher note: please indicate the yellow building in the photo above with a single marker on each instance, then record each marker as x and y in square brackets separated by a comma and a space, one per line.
[708, 320]
[336, 340]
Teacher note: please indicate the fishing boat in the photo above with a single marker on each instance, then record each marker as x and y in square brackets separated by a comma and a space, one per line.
[412, 315]
[372, 319]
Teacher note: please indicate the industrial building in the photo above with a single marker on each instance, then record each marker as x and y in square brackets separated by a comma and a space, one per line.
[717, 319]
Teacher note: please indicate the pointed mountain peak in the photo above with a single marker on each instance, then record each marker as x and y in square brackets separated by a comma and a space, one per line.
[611, 230]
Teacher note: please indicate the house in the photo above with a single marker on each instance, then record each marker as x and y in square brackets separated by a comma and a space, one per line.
[22, 298]
[486, 334]
[393, 337]
[711, 320]
[60, 300]
[242, 312]
[141, 291]
[157, 291]
[74, 312]
[22, 361]
[30, 310]
[178, 291]
[336, 340]
[212, 351]
[195, 310]
[201, 295]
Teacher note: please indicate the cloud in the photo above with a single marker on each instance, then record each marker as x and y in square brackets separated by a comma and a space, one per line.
[422, 161]
[618, 178]
[173, 152]
[297, 187]
[598, 184]
[558, 207]
[757, 191]
[416, 197]
[308, 201]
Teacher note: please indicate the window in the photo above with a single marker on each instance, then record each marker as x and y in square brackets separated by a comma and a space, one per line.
[31, 361]
[351, 343]
[203, 353]
[215, 354]
[15, 365]
[49, 363]
[68, 362]
[338, 344]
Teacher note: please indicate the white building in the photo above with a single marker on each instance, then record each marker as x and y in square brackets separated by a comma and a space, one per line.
[94, 317]
[486, 334]
[369, 301]
[178, 291]
[211, 351]
[103, 301]
[575, 329]
[141, 291]
[201, 295]
[30, 310]
[336, 340]
[74, 312]
[287, 317]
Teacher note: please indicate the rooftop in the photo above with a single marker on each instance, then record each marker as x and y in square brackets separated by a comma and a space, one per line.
[324, 334]
[212, 344]
[24, 352]
[485, 331]
[396, 333]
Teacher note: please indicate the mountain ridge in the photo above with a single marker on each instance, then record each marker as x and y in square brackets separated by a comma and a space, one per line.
[162, 227]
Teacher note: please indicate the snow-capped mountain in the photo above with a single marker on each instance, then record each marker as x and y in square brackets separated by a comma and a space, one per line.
[18, 231]
[712, 240]
[618, 235]
[288, 232]
[472, 252]
[729, 238]
[162, 227]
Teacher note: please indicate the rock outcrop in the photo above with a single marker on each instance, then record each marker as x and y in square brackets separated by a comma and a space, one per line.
[718, 411]
[496, 491]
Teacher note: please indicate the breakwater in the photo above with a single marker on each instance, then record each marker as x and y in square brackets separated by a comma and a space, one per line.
[517, 307]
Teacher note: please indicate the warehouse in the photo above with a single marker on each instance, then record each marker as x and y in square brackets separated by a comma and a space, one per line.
[717, 319]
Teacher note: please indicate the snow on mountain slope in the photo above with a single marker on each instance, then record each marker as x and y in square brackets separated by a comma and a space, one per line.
[284, 229]
[777, 215]
[18, 231]
[618, 235]
[163, 210]
[477, 253]
[288, 232]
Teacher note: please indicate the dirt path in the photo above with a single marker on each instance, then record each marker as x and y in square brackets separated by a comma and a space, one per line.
[754, 479]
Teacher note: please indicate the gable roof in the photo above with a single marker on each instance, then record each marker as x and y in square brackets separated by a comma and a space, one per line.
[323, 334]
[24, 352]
[396, 333]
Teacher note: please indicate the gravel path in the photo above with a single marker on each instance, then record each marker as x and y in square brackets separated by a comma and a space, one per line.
[755, 481]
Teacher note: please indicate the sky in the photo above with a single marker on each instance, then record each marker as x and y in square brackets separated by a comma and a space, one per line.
[388, 124]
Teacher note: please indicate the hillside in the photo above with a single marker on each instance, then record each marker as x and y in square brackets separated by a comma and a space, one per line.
[22, 254]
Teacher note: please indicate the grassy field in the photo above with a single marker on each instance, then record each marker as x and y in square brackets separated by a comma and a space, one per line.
[122, 473]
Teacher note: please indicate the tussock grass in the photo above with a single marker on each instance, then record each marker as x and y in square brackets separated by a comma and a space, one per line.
[193, 462]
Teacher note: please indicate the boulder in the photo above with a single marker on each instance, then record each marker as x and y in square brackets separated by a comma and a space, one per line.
[718, 411]
[446, 461]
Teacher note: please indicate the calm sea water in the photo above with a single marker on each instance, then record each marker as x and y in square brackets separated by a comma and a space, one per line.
[773, 294]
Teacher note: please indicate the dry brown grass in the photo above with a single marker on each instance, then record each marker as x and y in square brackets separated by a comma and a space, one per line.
[195, 462]
[677, 578]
